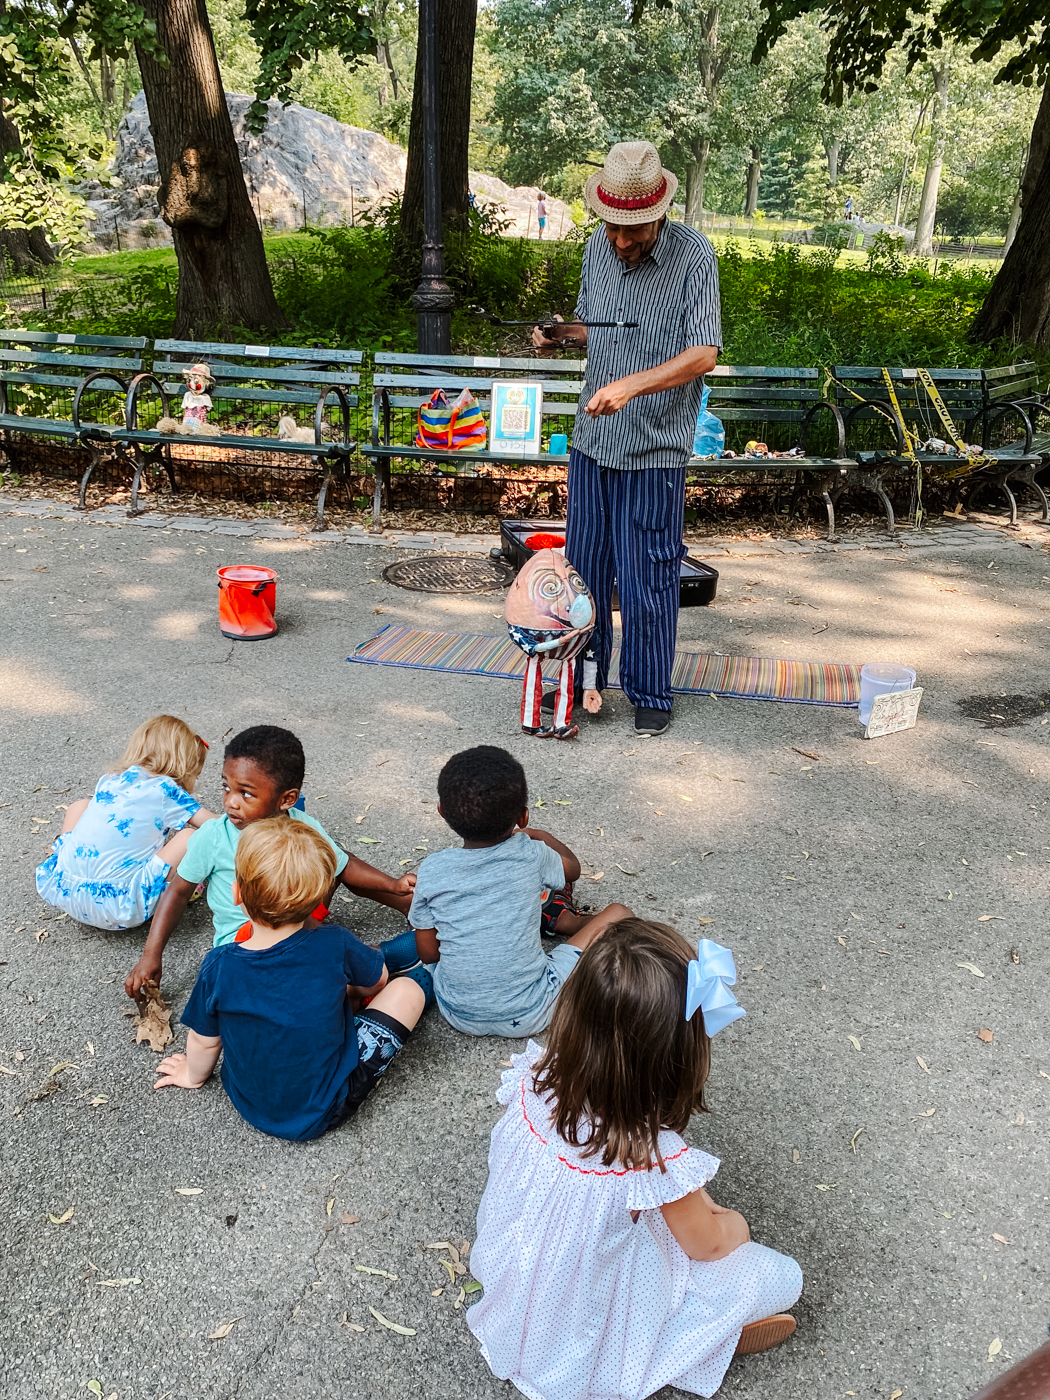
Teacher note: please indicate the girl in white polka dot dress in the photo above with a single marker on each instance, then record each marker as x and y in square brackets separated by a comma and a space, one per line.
[608, 1270]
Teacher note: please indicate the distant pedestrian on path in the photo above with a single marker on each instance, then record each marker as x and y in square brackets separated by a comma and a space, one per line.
[541, 212]
[637, 415]
[608, 1270]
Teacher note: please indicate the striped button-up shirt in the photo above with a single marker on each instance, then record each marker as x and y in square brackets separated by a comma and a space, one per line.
[673, 295]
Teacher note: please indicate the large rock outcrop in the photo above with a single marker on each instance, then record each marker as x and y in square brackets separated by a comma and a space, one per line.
[304, 166]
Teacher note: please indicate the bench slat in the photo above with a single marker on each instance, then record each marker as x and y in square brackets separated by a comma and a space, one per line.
[234, 393]
[277, 375]
[495, 363]
[88, 362]
[315, 354]
[404, 381]
[116, 342]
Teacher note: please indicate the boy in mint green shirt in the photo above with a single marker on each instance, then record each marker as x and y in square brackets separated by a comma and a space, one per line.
[262, 775]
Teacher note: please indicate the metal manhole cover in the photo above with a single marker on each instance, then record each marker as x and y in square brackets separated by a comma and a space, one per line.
[442, 573]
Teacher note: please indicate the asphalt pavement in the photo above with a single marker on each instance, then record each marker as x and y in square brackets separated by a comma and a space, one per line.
[885, 901]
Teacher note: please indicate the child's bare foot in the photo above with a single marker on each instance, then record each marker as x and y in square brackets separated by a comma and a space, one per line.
[592, 701]
[760, 1336]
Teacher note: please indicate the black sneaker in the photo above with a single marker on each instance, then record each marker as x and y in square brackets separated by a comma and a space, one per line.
[651, 722]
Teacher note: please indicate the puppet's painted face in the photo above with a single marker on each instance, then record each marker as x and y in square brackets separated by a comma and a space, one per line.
[549, 595]
[198, 378]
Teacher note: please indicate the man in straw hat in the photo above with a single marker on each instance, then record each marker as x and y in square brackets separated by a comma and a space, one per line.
[637, 414]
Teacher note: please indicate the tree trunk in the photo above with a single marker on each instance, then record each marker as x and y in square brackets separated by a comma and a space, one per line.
[927, 217]
[754, 175]
[457, 20]
[1017, 306]
[26, 249]
[695, 179]
[224, 282]
[1015, 219]
[832, 147]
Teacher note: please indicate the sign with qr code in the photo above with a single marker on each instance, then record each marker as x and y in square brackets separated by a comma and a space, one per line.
[893, 712]
[517, 416]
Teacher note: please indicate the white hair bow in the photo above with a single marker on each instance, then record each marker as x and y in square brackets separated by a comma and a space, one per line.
[711, 974]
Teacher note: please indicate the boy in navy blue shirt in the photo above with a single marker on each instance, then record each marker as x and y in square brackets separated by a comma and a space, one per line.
[279, 1001]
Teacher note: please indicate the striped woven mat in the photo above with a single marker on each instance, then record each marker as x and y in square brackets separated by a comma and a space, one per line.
[694, 673]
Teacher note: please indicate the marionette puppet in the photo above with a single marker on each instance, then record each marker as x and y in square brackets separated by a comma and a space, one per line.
[550, 615]
[195, 403]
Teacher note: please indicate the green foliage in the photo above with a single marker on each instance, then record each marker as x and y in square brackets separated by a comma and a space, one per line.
[781, 303]
[288, 30]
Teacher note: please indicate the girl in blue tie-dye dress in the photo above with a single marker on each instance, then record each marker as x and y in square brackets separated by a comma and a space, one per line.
[109, 866]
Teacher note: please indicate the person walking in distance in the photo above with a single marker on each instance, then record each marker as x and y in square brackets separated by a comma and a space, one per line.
[637, 413]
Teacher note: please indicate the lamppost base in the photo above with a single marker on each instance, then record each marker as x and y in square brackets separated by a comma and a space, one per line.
[433, 307]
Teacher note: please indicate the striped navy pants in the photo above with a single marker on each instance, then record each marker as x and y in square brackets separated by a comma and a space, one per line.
[627, 526]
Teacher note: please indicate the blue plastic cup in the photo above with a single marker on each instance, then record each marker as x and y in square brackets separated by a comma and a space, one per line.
[559, 444]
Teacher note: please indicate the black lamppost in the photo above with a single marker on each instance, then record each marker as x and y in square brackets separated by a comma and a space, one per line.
[433, 298]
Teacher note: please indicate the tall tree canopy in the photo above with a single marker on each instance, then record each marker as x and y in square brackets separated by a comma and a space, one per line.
[863, 35]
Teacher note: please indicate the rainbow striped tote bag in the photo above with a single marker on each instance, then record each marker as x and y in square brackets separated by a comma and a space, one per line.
[458, 427]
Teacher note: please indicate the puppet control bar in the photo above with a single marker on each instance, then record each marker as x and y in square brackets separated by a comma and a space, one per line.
[547, 324]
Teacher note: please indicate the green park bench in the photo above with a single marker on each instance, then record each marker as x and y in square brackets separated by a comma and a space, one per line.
[55, 386]
[980, 409]
[256, 386]
[783, 407]
[402, 383]
[1017, 386]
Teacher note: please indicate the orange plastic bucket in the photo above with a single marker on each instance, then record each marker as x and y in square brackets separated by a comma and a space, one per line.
[247, 602]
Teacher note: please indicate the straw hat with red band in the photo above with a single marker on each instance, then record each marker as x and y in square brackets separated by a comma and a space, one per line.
[632, 187]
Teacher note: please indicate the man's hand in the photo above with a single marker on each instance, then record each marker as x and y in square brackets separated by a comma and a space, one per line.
[147, 969]
[612, 398]
[174, 1070]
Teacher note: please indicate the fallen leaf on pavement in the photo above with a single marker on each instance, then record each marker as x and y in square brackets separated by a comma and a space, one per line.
[40, 935]
[347, 1219]
[795, 1155]
[1017, 1121]
[368, 841]
[822, 1187]
[922, 1064]
[1043, 1074]
[682, 797]
[358, 821]
[897, 1395]
[5, 1070]
[437, 1244]
[459, 1300]
[62, 1219]
[970, 968]
[62, 1065]
[95, 1387]
[189, 1190]
[116, 1282]
[472, 1287]
[854, 1041]
[632, 873]
[987, 918]
[328, 1207]
[705, 921]
[224, 1329]
[98, 1099]
[853, 1140]
[153, 1023]
[995, 1346]
[1001, 1238]
[354, 1326]
[436, 1292]
[393, 1326]
[451, 1271]
[928, 1113]
[380, 1273]
[986, 1035]
[842, 940]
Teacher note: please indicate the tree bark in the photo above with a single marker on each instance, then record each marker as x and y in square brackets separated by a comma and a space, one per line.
[754, 176]
[25, 248]
[1017, 306]
[1015, 219]
[695, 179]
[224, 282]
[832, 146]
[457, 20]
[926, 219]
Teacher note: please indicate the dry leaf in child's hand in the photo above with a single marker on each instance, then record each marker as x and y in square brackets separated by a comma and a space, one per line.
[153, 1022]
[224, 1329]
[393, 1326]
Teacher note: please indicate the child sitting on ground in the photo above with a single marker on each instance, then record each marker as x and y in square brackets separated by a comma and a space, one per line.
[262, 774]
[477, 907]
[117, 850]
[279, 1003]
[608, 1270]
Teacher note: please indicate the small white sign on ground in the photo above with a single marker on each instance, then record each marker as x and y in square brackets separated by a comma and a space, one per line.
[893, 712]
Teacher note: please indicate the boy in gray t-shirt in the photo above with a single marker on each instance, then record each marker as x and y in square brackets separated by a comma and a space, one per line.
[477, 907]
